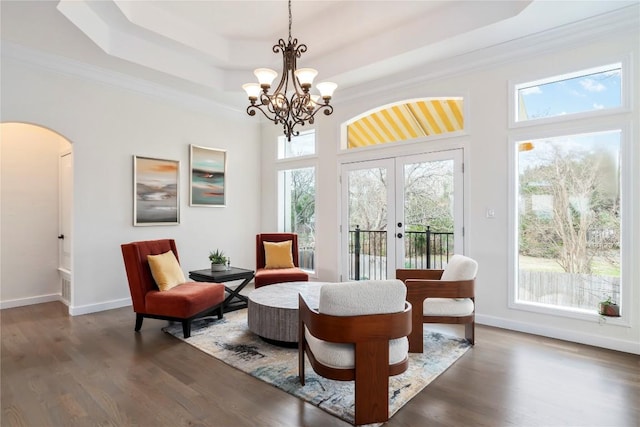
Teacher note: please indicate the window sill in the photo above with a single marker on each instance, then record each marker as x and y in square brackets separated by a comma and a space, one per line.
[579, 314]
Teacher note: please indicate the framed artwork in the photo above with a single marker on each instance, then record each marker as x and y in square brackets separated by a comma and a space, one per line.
[155, 191]
[208, 175]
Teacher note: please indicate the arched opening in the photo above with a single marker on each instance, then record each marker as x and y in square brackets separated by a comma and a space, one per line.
[405, 120]
[35, 215]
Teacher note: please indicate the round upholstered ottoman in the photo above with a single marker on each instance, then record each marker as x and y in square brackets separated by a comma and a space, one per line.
[273, 310]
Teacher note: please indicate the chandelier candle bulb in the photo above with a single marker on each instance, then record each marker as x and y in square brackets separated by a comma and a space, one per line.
[253, 90]
[326, 89]
[265, 76]
[305, 76]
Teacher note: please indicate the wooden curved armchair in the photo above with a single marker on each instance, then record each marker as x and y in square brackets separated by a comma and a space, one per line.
[441, 296]
[182, 303]
[269, 276]
[350, 338]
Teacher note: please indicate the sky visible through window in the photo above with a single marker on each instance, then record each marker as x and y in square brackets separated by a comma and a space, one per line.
[590, 90]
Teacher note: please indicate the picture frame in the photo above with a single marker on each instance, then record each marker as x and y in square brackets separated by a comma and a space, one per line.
[207, 176]
[156, 191]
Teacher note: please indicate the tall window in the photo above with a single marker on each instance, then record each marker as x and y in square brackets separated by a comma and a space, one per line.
[568, 194]
[569, 220]
[297, 193]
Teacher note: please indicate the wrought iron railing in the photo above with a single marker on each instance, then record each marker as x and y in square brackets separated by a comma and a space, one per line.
[423, 250]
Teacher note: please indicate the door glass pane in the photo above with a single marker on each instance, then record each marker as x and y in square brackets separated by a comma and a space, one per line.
[569, 220]
[367, 223]
[428, 210]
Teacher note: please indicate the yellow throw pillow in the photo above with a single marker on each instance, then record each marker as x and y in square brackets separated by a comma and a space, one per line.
[165, 270]
[278, 254]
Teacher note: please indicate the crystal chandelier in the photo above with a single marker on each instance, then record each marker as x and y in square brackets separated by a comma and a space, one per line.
[291, 103]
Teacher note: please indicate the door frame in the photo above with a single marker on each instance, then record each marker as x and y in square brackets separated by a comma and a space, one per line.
[460, 219]
[65, 226]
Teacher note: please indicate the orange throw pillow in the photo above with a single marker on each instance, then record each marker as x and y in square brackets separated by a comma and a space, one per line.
[278, 254]
[165, 270]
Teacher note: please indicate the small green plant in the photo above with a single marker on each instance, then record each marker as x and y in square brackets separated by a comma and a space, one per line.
[217, 257]
[607, 301]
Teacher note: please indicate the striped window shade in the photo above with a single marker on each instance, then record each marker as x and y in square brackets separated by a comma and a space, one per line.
[406, 120]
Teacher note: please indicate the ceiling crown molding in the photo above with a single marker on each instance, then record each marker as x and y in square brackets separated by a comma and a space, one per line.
[87, 72]
[622, 21]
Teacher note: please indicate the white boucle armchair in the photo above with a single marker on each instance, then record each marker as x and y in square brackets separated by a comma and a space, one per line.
[358, 332]
[441, 296]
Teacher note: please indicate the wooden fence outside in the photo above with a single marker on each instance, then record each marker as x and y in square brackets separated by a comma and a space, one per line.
[566, 289]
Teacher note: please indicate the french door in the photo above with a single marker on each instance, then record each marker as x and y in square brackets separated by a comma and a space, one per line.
[401, 212]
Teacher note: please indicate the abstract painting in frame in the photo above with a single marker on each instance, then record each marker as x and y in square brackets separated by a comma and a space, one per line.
[208, 177]
[155, 186]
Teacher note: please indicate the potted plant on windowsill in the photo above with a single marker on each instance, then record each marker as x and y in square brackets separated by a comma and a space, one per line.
[608, 308]
[218, 260]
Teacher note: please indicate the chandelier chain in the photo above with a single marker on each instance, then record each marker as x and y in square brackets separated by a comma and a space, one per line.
[290, 20]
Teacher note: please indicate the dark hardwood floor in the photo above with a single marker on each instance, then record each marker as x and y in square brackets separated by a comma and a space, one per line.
[94, 370]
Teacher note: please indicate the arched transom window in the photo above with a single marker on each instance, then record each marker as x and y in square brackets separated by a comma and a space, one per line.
[406, 120]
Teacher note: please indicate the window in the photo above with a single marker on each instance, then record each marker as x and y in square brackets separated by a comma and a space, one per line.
[301, 145]
[569, 191]
[404, 121]
[568, 218]
[297, 210]
[297, 193]
[594, 89]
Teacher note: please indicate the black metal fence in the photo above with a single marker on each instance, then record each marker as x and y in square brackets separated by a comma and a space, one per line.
[423, 250]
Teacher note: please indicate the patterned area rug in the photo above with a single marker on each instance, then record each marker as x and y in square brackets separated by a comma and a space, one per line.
[230, 340]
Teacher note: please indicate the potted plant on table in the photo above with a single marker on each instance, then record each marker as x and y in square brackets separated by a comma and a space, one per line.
[218, 260]
[608, 308]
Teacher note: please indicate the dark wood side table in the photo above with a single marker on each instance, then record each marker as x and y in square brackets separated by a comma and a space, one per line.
[234, 301]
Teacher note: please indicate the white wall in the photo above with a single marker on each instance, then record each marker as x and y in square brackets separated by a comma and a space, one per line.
[29, 213]
[107, 125]
[484, 84]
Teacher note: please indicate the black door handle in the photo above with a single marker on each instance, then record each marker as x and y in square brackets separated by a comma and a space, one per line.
[61, 236]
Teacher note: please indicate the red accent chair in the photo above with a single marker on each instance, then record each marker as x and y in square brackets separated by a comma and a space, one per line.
[267, 276]
[182, 303]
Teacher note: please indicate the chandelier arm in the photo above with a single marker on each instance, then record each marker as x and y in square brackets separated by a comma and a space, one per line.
[269, 112]
[251, 110]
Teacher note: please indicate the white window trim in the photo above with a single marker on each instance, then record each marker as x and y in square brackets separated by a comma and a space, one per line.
[625, 87]
[626, 209]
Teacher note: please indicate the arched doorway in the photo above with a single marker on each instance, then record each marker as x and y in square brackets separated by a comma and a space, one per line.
[36, 197]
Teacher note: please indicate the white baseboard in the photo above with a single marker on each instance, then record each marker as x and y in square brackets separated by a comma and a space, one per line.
[20, 302]
[561, 334]
[94, 308]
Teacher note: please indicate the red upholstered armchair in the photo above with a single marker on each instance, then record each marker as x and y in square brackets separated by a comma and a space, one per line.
[268, 276]
[182, 303]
